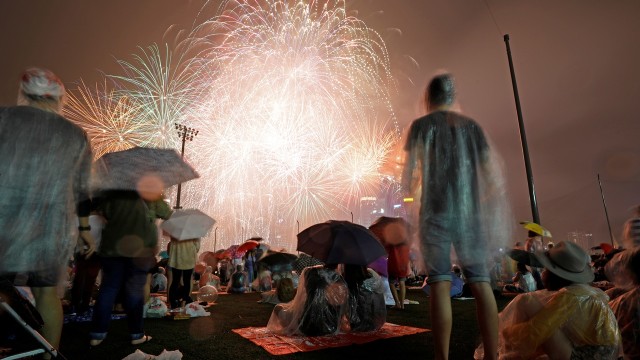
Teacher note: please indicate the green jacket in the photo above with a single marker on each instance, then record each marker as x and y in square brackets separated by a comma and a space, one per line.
[131, 230]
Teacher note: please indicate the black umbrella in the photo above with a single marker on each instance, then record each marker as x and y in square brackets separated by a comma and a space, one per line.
[340, 242]
[277, 258]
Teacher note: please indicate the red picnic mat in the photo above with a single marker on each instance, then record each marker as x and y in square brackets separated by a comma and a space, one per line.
[282, 345]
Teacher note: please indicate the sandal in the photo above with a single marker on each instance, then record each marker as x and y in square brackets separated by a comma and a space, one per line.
[95, 342]
[142, 340]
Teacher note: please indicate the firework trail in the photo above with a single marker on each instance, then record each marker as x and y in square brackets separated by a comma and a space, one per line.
[292, 103]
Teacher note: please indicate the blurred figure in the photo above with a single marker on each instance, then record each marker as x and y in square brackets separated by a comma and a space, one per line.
[367, 310]
[624, 271]
[87, 269]
[44, 185]
[159, 280]
[631, 233]
[209, 278]
[572, 320]
[532, 244]
[127, 252]
[452, 169]
[239, 281]
[522, 282]
[284, 292]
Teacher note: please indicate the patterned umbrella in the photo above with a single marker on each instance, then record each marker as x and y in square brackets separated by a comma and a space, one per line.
[304, 261]
[140, 169]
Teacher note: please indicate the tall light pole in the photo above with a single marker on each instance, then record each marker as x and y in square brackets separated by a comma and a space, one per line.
[186, 133]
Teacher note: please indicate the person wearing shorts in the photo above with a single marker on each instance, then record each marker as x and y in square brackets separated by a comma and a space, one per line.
[449, 167]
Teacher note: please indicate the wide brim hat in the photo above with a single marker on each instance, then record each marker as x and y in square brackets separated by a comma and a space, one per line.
[568, 261]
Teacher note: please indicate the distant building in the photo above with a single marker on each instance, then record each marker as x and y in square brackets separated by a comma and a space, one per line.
[582, 239]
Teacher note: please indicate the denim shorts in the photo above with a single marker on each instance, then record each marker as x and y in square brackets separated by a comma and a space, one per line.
[438, 234]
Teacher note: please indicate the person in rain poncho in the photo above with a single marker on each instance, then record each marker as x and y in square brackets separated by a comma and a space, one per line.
[569, 320]
[454, 172]
[318, 308]
[631, 232]
[44, 184]
[624, 271]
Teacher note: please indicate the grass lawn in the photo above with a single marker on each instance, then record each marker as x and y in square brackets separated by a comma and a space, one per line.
[211, 337]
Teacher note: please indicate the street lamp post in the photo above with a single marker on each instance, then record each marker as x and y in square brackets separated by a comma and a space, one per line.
[186, 133]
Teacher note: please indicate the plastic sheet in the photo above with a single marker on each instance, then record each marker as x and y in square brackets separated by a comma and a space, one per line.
[318, 308]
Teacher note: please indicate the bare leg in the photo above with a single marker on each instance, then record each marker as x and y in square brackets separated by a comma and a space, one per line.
[394, 292]
[487, 313]
[440, 307]
[403, 293]
[50, 308]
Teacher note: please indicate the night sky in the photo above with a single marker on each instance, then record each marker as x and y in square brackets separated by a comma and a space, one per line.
[576, 63]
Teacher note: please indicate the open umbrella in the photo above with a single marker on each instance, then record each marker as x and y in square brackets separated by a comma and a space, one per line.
[277, 258]
[391, 230]
[141, 168]
[188, 224]
[340, 242]
[536, 228]
[303, 261]
[221, 254]
[248, 245]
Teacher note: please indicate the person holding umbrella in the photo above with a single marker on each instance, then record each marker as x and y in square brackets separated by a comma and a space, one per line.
[452, 170]
[127, 253]
[185, 228]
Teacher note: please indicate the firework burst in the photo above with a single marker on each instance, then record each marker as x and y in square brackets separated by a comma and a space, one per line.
[291, 100]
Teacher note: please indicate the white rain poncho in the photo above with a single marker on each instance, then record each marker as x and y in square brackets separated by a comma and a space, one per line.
[44, 172]
[318, 308]
[456, 176]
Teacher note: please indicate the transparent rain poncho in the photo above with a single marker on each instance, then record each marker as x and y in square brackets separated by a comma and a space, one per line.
[623, 271]
[318, 308]
[456, 176]
[44, 172]
[580, 311]
[367, 308]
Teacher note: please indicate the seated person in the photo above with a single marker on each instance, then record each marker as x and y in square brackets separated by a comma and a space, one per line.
[209, 278]
[239, 281]
[572, 320]
[367, 309]
[284, 292]
[159, 280]
[626, 306]
[318, 307]
[523, 281]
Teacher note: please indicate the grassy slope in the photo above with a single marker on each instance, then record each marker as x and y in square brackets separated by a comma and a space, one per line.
[211, 337]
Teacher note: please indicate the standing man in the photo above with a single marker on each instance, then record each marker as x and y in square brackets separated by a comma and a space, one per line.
[450, 168]
[44, 184]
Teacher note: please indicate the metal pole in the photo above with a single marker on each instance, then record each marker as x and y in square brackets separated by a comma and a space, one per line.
[523, 138]
[351, 215]
[215, 238]
[186, 133]
[298, 222]
[184, 139]
[605, 210]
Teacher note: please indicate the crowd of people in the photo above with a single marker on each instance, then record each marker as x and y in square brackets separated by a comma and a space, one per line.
[47, 209]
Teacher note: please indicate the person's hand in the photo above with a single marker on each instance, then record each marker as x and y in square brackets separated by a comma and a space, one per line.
[89, 243]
